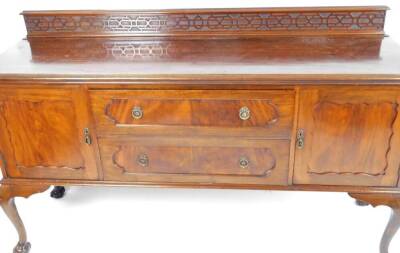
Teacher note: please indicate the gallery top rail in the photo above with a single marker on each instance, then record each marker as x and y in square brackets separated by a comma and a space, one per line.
[367, 20]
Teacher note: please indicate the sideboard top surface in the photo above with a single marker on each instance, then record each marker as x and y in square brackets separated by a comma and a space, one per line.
[22, 62]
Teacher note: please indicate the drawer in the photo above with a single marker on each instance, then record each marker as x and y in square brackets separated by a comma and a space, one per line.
[248, 113]
[192, 160]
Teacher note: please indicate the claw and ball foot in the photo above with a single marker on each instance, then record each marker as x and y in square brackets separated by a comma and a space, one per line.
[391, 200]
[7, 203]
[10, 209]
[58, 192]
[22, 247]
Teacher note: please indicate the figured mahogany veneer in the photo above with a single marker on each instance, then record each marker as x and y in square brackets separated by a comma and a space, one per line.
[351, 136]
[41, 133]
[196, 160]
[192, 112]
[268, 98]
[195, 112]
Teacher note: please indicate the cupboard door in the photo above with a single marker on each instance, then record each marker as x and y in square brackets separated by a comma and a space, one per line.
[43, 134]
[351, 137]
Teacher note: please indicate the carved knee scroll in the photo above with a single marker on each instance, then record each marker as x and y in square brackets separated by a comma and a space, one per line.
[7, 195]
[391, 200]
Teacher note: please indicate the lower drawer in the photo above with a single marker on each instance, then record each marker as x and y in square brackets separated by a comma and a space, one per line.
[188, 160]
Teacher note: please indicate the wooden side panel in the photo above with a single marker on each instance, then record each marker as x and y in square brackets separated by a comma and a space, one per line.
[351, 137]
[203, 112]
[43, 134]
[195, 160]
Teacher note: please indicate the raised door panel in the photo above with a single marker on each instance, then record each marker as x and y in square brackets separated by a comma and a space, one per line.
[44, 136]
[351, 137]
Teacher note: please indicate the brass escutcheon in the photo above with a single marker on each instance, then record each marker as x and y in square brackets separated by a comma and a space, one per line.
[300, 139]
[86, 136]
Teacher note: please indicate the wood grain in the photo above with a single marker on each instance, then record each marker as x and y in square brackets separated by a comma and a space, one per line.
[194, 112]
[350, 137]
[39, 121]
[313, 60]
[195, 160]
[8, 191]
[67, 94]
[208, 21]
[362, 131]
[43, 134]
[249, 50]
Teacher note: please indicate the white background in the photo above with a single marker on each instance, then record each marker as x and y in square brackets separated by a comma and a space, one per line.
[144, 220]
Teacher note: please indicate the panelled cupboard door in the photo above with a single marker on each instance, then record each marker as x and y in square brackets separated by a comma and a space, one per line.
[350, 136]
[43, 133]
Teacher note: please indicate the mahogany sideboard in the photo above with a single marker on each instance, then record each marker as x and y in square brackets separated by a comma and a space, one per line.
[274, 98]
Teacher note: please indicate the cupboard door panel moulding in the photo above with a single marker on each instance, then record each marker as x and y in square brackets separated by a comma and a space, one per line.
[351, 137]
[44, 134]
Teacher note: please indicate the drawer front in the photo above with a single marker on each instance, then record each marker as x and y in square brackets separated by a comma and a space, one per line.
[196, 160]
[263, 113]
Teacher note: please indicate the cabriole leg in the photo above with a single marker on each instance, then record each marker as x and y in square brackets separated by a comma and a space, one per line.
[391, 229]
[391, 200]
[10, 209]
[7, 202]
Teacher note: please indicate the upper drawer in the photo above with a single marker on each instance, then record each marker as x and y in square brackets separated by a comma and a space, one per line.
[247, 113]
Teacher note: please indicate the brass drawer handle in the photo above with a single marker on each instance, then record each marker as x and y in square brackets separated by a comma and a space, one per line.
[137, 112]
[143, 160]
[244, 113]
[244, 162]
